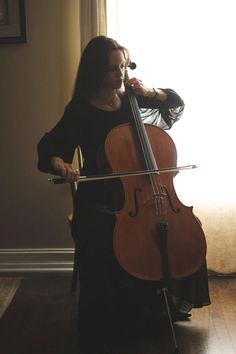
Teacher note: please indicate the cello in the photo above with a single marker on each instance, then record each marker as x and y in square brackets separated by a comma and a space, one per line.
[156, 237]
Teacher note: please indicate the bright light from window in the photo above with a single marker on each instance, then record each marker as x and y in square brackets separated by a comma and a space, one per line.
[189, 46]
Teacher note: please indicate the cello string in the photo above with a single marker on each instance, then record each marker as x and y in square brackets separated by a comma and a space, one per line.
[147, 152]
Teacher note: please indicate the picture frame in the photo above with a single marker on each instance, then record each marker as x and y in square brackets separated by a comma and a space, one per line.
[12, 21]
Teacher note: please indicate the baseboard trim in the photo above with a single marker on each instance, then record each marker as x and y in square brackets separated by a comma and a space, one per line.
[37, 260]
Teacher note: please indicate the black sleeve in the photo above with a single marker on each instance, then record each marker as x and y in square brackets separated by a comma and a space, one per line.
[161, 113]
[61, 141]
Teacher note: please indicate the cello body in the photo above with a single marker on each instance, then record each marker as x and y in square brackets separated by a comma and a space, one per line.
[155, 236]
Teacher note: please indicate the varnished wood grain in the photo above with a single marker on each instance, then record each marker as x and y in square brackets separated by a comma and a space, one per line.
[42, 320]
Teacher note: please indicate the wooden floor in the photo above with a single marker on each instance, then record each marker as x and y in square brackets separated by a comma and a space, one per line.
[42, 320]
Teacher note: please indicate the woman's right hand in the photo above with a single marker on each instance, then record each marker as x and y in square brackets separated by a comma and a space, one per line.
[65, 170]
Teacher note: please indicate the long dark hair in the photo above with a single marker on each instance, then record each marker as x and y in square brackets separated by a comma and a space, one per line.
[94, 65]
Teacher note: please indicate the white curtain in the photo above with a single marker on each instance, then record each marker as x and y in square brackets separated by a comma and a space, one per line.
[189, 46]
[92, 20]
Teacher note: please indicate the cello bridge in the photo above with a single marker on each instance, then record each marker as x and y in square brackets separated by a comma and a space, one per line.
[158, 197]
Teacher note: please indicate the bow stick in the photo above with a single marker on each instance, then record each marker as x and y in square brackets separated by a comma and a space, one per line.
[123, 174]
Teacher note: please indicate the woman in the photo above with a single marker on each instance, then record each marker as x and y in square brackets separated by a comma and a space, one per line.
[98, 104]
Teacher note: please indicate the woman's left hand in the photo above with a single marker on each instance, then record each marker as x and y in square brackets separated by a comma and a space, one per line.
[139, 88]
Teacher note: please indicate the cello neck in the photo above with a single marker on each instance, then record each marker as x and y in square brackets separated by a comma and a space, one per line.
[138, 125]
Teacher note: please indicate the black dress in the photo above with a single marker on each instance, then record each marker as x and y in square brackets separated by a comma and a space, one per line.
[109, 296]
